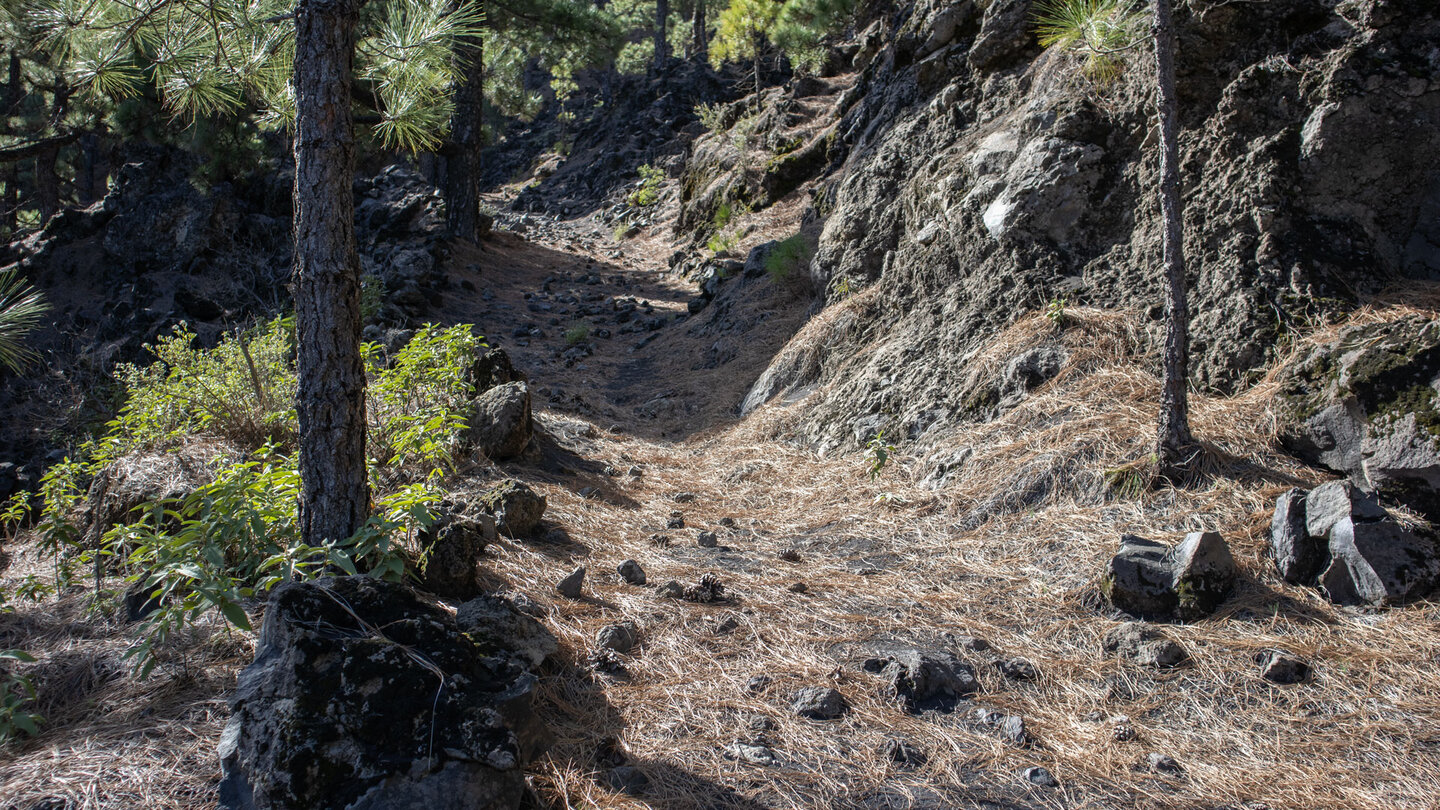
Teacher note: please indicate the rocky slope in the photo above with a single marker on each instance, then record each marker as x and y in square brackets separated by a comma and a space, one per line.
[983, 178]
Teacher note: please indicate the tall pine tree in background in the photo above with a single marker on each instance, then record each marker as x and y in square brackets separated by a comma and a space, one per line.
[295, 68]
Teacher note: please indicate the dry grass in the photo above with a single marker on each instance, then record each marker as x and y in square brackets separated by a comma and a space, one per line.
[885, 560]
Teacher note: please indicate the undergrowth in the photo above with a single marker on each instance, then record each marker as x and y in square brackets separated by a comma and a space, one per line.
[237, 536]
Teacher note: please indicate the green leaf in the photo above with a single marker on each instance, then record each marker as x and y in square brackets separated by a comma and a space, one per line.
[236, 615]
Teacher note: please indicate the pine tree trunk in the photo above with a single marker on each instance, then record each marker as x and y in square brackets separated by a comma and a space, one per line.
[330, 402]
[12, 176]
[662, 43]
[47, 183]
[463, 147]
[1174, 439]
[702, 42]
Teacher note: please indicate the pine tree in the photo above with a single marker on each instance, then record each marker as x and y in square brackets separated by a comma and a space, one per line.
[300, 69]
[1105, 30]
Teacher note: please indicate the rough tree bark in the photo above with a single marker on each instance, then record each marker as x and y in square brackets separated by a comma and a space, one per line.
[1174, 440]
[12, 174]
[662, 43]
[462, 150]
[330, 402]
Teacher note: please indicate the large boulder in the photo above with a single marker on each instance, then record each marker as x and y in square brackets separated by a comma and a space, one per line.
[1339, 538]
[501, 425]
[452, 546]
[1368, 406]
[363, 696]
[1155, 581]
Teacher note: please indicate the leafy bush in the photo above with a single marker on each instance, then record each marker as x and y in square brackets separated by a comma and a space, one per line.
[712, 116]
[16, 692]
[242, 390]
[419, 406]
[238, 535]
[576, 334]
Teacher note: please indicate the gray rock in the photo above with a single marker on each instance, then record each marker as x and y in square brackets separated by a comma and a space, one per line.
[341, 708]
[501, 426]
[758, 683]
[497, 622]
[631, 572]
[1298, 556]
[1145, 646]
[1017, 669]
[904, 754]
[1040, 776]
[1010, 727]
[819, 703]
[1367, 405]
[573, 584]
[1332, 502]
[751, 754]
[1379, 563]
[670, 590]
[627, 779]
[927, 679]
[707, 540]
[622, 637]
[1152, 581]
[455, 542]
[756, 259]
[1029, 370]
[517, 508]
[1278, 666]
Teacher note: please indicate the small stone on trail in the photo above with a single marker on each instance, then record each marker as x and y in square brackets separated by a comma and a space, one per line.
[1160, 763]
[671, 589]
[1040, 776]
[621, 637]
[627, 779]
[1010, 726]
[798, 587]
[1140, 644]
[727, 522]
[819, 703]
[707, 540]
[684, 497]
[790, 555]
[588, 492]
[677, 521]
[661, 540]
[570, 586]
[751, 754]
[726, 624]
[758, 683]
[973, 644]
[1017, 669]
[1278, 667]
[631, 572]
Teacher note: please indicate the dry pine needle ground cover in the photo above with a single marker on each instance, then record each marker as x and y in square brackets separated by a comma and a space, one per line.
[883, 560]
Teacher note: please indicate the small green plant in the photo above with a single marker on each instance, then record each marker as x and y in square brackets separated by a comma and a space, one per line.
[877, 454]
[1102, 29]
[649, 191]
[21, 306]
[372, 297]
[14, 514]
[418, 408]
[786, 258]
[720, 244]
[577, 334]
[623, 230]
[16, 692]
[712, 116]
[1055, 311]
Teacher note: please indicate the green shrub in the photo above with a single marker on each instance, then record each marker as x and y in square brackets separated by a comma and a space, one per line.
[16, 692]
[877, 454]
[787, 261]
[712, 116]
[577, 334]
[419, 406]
[242, 390]
[649, 191]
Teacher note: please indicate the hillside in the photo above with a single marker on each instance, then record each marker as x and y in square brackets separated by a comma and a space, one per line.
[842, 394]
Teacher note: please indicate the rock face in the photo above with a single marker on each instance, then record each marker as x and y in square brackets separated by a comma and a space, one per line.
[1155, 581]
[1339, 538]
[971, 180]
[501, 425]
[1368, 406]
[362, 696]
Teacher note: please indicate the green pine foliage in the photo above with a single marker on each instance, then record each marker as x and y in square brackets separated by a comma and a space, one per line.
[21, 307]
[1103, 30]
[226, 57]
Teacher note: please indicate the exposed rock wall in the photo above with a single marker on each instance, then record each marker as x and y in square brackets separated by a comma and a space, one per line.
[984, 177]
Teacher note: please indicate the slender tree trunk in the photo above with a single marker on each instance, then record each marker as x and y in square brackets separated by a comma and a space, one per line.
[12, 175]
[86, 181]
[330, 402]
[702, 42]
[47, 183]
[1174, 437]
[662, 43]
[463, 147]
